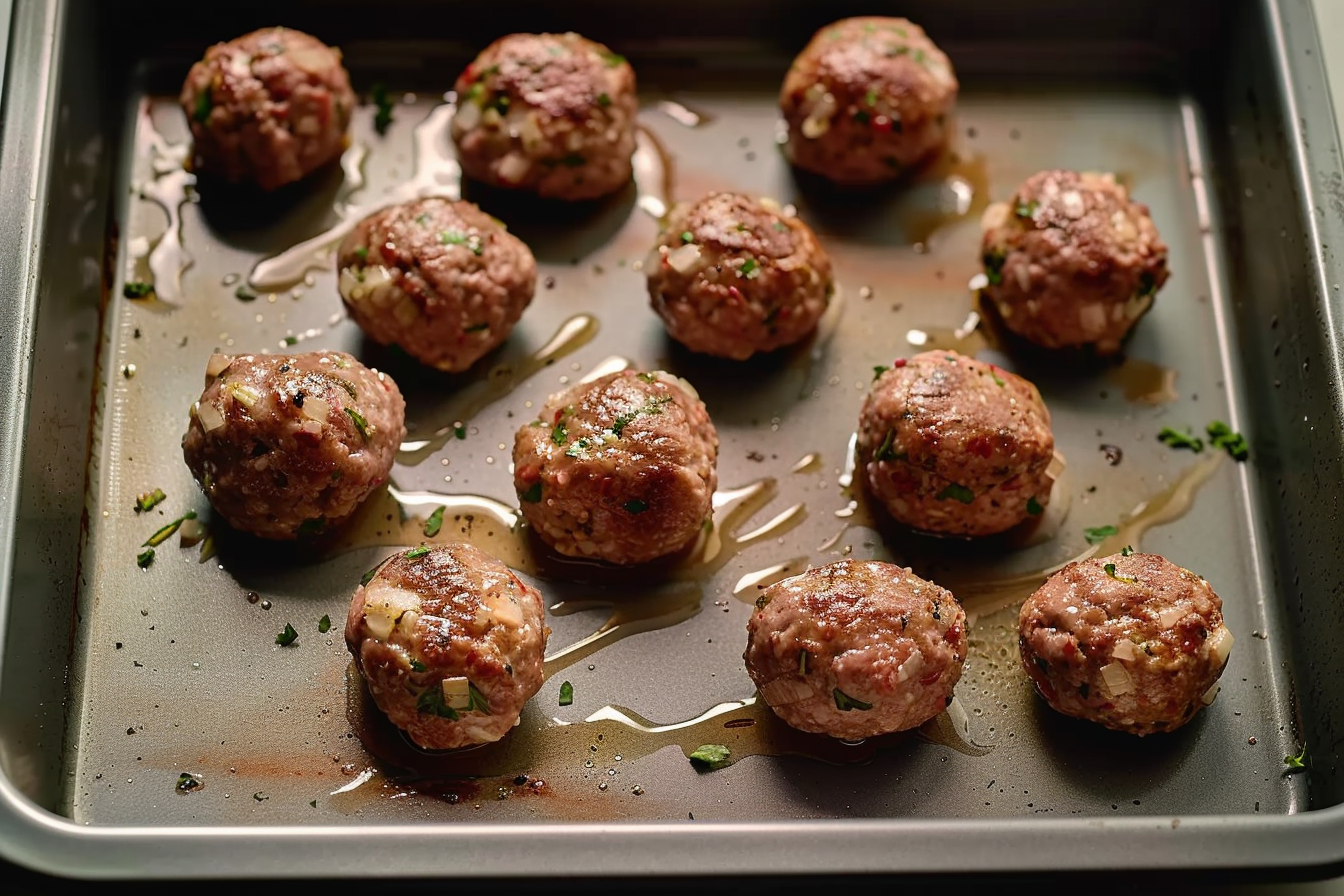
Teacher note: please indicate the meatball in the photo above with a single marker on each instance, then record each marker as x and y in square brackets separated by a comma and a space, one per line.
[441, 279]
[867, 100]
[956, 446]
[621, 469]
[1071, 261]
[289, 445]
[450, 643]
[269, 107]
[731, 276]
[856, 649]
[551, 114]
[1131, 641]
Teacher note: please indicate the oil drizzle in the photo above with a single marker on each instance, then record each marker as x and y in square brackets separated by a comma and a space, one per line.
[747, 587]
[684, 115]
[630, 615]
[968, 339]
[436, 173]
[502, 379]
[951, 189]
[1144, 382]
[170, 188]
[655, 174]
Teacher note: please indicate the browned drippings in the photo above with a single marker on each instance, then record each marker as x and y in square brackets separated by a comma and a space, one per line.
[1144, 381]
[655, 174]
[501, 380]
[962, 192]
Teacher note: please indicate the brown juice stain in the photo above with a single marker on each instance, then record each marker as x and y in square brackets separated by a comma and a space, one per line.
[1144, 382]
[962, 192]
[170, 188]
[436, 173]
[502, 379]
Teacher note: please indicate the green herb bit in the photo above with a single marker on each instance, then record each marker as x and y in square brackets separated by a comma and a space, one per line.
[417, 666]
[313, 803]
[204, 103]
[998, 380]
[533, 493]
[1099, 534]
[993, 262]
[287, 637]
[313, 526]
[476, 328]
[360, 423]
[1176, 439]
[476, 701]
[861, 116]
[878, 370]
[603, 100]
[383, 117]
[460, 431]
[560, 434]
[457, 238]
[870, 97]
[431, 703]
[802, 662]
[1147, 284]
[166, 532]
[1034, 507]
[1222, 436]
[138, 289]
[612, 59]
[415, 553]
[635, 506]
[149, 500]
[144, 558]
[885, 452]
[1126, 551]
[324, 624]
[750, 269]
[290, 340]
[956, 493]
[187, 782]
[362, 253]
[1296, 763]
[647, 377]
[245, 294]
[435, 522]
[687, 237]
[845, 703]
[566, 693]
[712, 756]
[1026, 209]
[1110, 571]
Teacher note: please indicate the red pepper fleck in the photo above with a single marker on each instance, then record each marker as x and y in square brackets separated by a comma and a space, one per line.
[953, 634]
[468, 72]
[735, 294]
[606, 486]
[559, 413]
[1070, 648]
[882, 124]
[930, 679]
[981, 446]
[898, 363]
[529, 473]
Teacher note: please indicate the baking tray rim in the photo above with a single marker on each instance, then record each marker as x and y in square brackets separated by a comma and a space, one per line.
[41, 839]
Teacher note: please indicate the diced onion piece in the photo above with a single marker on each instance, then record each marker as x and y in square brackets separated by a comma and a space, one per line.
[217, 364]
[316, 409]
[468, 115]
[513, 168]
[244, 394]
[491, 117]
[406, 312]
[380, 624]
[312, 427]
[407, 621]
[505, 611]
[1124, 650]
[456, 693]
[911, 667]
[818, 120]
[770, 204]
[1170, 616]
[313, 59]
[1210, 695]
[1116, 679]
[1220, 645]
[350, 287]
[994, 216]
[786, 690]
[191, 532]
[529, 131]
[384, 605]
[1092, 316]
[1136, 305]
[684, 258]
[376, 277]
[210, 417]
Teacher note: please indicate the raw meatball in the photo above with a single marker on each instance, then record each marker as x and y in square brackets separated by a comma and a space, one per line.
[269, 107]
[856, 649]
[289, 445]
[621, 469]
[732, 276]
[441, 279]
[1071, 261]
[1131, 641]
[867, 100]
[956, 446]
[552, 114]
[450, 643]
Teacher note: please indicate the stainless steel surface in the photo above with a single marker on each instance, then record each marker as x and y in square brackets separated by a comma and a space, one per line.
[173, 670]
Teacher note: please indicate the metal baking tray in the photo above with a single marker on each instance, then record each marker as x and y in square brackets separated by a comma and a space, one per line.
[114, 681]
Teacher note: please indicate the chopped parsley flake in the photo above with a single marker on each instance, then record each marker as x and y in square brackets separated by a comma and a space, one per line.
[998, 380]
[360, 423]
[417, 666]
[435, 522]
[245, 294]
[653, 406]
[845, 703]
[290, 340]
[1099, 534]
[603, 100]
[204, 103]
[430, 702]
[1177, 439]
[457, 238]
[138, 289]
[1126, 551]
[878, 370]
[750, 269]
[149, 500]
[144, 558]
[368, 576]
[994, 266]
[579, 450]
[648, 377]
[635, 506]
[362, 253]
[476, 701]
[612, 59]
[712, 756]
[1296, 763]
[324, 624]
[460, 430]
[956, 493]
[1110, 571]
[533, 494]
[566, 693]
[560, 434]
[1222, 436]
[313, 526]
[1026, 209]
[476, 328]
[383, 117]
[1147, 284]
[287, 637]
[802, 662]
[1034, 507]
[187, 782]
[687, 236]
[415, 553]
[885, 452]
[870, 97]
[166, 532]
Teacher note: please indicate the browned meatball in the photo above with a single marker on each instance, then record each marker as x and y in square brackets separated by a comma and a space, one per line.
[552, 114]
[621, 469]
[1071, 261]
[867, 99]
[856, 649]
[269, 107]
[732, 276]
[441, 279]
[450, 643]
[1131, 641]
[289, 445]
[956, 446]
